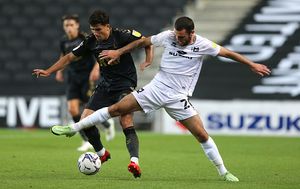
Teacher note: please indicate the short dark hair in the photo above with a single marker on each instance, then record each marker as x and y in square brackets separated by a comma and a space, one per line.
[184, 23]
[70, 17]
[99, 17]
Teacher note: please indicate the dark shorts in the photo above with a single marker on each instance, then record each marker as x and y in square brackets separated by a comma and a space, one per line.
[103, 98]
[79, 88]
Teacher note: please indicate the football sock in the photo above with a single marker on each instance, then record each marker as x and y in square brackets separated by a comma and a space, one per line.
[101, 152]
[132, 142]
[106, 124]
[135, 160]
[212, 153]
[93, 136]
[76, 119]
[95, 118]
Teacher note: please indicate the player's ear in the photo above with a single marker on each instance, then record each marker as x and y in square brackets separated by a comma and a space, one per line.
[192, 32]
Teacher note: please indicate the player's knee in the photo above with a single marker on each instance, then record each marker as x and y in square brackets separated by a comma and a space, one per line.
[115, 110]
[126, 121]
[202, 137]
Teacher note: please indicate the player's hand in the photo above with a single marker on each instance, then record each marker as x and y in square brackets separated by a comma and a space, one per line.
[260, 69]
[40, 72]
[59, 76]
[144, 65]
[112, 55]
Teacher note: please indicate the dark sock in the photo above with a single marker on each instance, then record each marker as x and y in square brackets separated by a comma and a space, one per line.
[76, 119]
[106, 124]
[93, 136]
[132, 141]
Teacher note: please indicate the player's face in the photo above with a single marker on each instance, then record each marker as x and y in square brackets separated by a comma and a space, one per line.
[71, 28]
[183, 38]
[101, 32]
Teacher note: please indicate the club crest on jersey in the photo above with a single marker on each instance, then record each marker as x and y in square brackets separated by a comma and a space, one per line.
[173, 44]
[195, 49]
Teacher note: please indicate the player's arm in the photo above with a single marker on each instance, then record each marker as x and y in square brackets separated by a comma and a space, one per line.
[259, 69]
[115, 54]
[95, 73]
[60, 74]
[60, 64]
[149, 57]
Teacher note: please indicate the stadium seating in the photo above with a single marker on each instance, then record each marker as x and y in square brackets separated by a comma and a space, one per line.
[30, 34]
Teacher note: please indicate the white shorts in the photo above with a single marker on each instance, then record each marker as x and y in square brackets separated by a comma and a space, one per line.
[154, 96]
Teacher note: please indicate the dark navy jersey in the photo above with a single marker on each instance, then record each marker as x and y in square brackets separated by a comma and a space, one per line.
[120, 75]
[83, 64]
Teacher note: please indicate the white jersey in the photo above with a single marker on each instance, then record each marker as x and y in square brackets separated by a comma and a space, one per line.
[181, 65]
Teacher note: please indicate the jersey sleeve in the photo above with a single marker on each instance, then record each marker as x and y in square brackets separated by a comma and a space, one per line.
[208, 47]
[128, 36]
[81, 50]
[159, 39]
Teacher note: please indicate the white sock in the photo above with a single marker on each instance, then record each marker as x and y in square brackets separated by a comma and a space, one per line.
[101, 152]
[95, 118]
[212, 153]
[135, 160]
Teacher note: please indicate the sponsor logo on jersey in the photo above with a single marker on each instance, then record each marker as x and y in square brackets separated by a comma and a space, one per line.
[181, 52]
[173, 44]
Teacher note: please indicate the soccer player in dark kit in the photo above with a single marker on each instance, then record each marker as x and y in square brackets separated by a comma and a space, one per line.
[116, 80]
[81, 74]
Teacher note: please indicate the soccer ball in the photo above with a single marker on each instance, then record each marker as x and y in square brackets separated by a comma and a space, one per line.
[89, 163]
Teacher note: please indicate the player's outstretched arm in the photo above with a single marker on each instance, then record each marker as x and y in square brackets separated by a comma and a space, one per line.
[60, 64]
[113, 55]
[259, 69]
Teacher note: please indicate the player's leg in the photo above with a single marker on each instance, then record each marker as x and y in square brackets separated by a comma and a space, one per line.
[181, 109]
[74, 100]
[93, 136]
[127, 105]
[109, 129]
[74, 110]
[137, 100]
[132, 143]
[195, 126]
[87, 90]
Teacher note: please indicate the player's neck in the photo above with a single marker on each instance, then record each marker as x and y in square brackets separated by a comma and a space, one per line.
[193, 39]
[106, 37]
[73, 36]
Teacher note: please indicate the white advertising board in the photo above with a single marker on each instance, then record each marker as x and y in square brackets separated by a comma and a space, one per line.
[240, 117]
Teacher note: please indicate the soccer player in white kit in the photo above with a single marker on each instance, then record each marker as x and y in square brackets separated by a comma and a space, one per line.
[179, 71]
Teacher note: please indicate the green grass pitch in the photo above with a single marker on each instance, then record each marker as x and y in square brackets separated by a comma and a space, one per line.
[38, 159]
